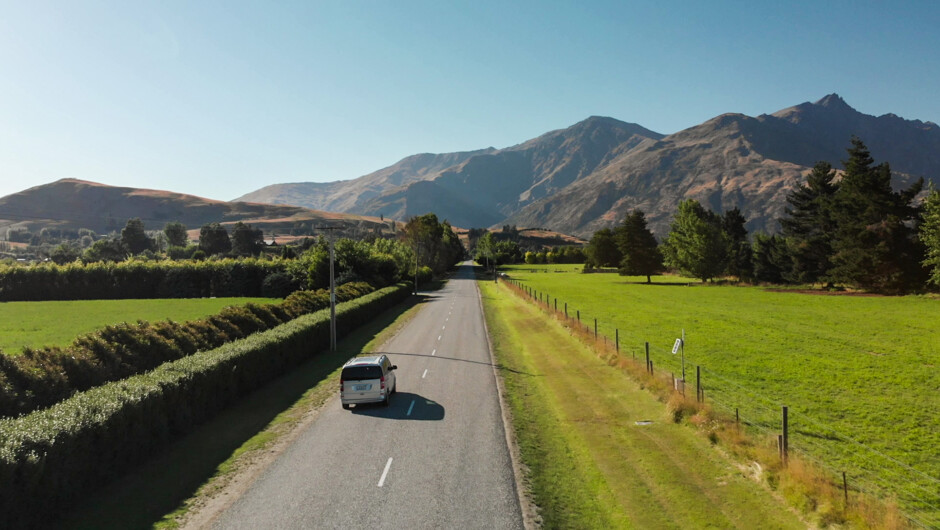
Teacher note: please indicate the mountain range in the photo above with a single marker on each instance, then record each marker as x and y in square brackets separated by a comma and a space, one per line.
[589, 175]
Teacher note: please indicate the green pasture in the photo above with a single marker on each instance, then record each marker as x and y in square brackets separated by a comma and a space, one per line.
[38, 324]
[858, 373]
[589, 464]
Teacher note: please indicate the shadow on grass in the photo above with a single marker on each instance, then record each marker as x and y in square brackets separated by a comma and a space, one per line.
[145, 495]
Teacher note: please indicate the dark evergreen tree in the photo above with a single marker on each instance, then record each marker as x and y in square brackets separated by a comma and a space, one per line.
[602, 251]
[739, 248]
[135, 238]
[696, 244]
[875, 238]
[246, 241]
[771, 258]
[214, 239]
[637, 244]
[176, 235]
[809, 226]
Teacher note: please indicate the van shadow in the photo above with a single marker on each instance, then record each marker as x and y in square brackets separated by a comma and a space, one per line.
[403, 406]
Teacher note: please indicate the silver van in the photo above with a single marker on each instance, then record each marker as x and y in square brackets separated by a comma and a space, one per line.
[367, 380]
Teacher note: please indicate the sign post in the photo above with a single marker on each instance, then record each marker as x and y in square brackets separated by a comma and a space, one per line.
[679, 347]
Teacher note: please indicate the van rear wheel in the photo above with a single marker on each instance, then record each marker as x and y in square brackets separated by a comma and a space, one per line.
[346, 406]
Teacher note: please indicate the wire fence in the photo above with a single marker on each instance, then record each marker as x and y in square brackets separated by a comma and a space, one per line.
[853, 466]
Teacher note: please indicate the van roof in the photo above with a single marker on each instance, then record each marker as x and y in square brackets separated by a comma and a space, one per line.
[364, 360]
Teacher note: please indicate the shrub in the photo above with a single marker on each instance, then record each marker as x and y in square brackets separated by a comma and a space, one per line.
[42, 377]
[92, 437]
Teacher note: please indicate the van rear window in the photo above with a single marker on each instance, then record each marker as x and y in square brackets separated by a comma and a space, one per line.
[358, 373]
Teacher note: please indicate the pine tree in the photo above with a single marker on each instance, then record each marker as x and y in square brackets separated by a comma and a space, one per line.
[874, 246]
[809, 227]
[696, 243]
[602, 249]
[641, 255]
[739, 248]
[930, 235]
[770, 258]
[134, 238]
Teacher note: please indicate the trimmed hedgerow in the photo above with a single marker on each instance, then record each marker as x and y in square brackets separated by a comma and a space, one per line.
[138, 279]
[92, 437]
[41, 377]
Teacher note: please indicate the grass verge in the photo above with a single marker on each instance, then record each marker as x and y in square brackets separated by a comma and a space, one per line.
[166, 491]
[589, 464]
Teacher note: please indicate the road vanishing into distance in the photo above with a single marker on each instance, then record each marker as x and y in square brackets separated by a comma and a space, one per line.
[437, 457]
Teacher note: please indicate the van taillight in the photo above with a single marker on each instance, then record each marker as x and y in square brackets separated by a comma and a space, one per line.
[382, 380]
[340, 385]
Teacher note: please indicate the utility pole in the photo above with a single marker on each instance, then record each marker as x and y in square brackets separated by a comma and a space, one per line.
[329, 230]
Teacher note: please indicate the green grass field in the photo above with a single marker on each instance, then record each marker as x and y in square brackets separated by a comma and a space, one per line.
[38, 324]
[590, 465]
[858, 373]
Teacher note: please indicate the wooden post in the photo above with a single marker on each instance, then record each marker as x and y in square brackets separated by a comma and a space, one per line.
[579, 315]
[617, 334]
[566, 309]
[786, 436]
[556, 305]
[647, 356]
[845, 488]
[651, 368]
[595, 329]
[698, 384]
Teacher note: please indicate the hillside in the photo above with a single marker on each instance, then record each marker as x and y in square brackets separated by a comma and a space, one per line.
[70, 203]
[587, 176]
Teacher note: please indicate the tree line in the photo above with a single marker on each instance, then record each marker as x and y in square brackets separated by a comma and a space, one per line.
[851, 229]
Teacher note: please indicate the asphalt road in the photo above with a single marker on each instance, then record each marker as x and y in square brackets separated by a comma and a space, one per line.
[435, 458]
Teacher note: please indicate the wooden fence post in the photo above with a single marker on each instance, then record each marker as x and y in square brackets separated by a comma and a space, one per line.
[647, 356]
[698, 384]
[617, 334]
[786, 436]
[595, 330]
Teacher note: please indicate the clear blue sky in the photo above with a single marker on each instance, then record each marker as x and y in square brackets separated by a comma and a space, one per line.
[220, 98]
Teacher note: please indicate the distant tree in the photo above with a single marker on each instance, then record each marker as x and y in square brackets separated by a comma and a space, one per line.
[875, 238]
[176, 235]
[637, 244]
[135, 238]
[696, 245]
[105, 250]
[246, 241]
[808, 225]
[602, 250]
[424, 234]
[452, 249]
[64, 253]
[507, 252]
[930, 235]
[739, 248]
[771, 258]
[214, 239]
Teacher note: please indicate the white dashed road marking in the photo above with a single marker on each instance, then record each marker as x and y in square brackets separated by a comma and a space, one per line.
[385, 473]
